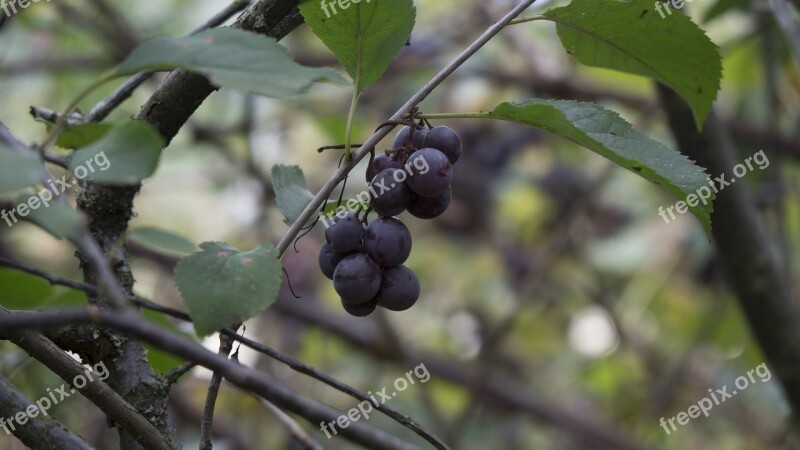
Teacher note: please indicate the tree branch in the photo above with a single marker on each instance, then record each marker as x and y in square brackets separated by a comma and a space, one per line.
[753, 271]
[244, 377]
[40, 431]
[293, 363]
[109, 209]
[102, 109]
[225, 347]
[97, 391]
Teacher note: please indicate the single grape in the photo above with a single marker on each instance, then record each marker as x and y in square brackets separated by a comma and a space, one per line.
[387, 241]
[379, 164]
[361, 309]
[429, 207]
[328, 260]
[357, 278]
[345, 233]
[416, 140]
[430, 172]
[390, 197]
[399, 288]
[446, 141]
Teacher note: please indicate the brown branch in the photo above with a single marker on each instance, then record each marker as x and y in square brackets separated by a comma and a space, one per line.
[44, 350]
[100, 111]
[241, 376]
[225, 347]
[292, 363]
[501, 392]
[39, 431]
[754, 273]
[109, 208]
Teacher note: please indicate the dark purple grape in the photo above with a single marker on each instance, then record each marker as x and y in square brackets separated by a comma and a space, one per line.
[446, 141]
[429, 207]
[416, 140]
[430, 172]
[357, 278]
[345, 232]
[390, 197]
[379, 164]
[399, 288]
[328, 260]
[388, 242]
[361, 309]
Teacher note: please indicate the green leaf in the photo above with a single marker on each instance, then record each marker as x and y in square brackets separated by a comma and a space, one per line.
[291, 191]
[58, 219]
[222, 285]
[126, 154]
[18, 170]
[607, 134]
[161, 240]
[78, 136]
[163, 361]
[232, 58]
[23, 291]
[365, 36]
[632, 37]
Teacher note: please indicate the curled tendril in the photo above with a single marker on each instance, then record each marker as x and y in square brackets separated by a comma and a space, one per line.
[289, 282]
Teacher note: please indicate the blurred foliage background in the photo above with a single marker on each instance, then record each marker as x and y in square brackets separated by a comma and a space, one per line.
[555, 300]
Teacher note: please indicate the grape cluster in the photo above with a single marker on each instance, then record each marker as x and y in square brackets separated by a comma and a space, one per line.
[366, 263]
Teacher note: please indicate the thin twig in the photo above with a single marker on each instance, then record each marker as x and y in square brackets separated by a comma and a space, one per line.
[370, 144]
[174, 375]
[83, 239]
[40, 432]
[237, 374]
[225, 346]
[102, 109]
[293, 363]
[294, 428]
[109, 401]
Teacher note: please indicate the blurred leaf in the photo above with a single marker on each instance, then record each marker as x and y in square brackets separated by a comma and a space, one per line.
[291, 191]
[159, 239]
[58, 219]
[607, 134]
[78, 136]
[365, 36]
[632, 37]
[127, 154]
[68, 298]
[232, 58]
[18, 170]
[222, 285]
[23, 291]
[163, 361]
[723, 6]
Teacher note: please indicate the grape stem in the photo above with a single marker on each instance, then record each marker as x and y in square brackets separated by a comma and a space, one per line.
[348, 134]
[473, 115]
[529, 19]
[340, 173]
